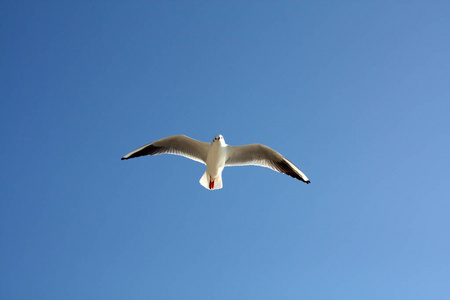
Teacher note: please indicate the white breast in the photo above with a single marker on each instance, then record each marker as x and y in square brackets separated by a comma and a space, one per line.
[215, 162]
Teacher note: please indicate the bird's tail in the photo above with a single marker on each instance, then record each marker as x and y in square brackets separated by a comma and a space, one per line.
[211, 183]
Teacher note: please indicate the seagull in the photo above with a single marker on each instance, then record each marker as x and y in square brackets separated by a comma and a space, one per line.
[217, 155]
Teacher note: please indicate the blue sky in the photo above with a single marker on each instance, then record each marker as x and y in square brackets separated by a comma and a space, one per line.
[355, 94]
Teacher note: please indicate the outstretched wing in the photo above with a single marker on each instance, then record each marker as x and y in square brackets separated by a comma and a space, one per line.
[260, 155]
[177, 145]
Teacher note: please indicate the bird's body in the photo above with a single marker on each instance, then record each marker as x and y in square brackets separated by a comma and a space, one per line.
[215, 163]
[217, 155]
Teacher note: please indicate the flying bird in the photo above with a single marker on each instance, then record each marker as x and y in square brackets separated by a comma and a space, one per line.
[217, 155]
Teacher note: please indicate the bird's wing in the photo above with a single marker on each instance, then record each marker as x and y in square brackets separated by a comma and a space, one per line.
[177, 145]
[260, 155]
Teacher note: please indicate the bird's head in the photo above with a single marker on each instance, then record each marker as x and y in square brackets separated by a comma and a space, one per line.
[219, 138]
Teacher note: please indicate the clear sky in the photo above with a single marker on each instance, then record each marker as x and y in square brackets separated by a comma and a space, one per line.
[355, 93]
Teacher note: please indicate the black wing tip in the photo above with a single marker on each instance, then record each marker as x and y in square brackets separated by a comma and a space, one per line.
[123, 158]
[308, 182]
